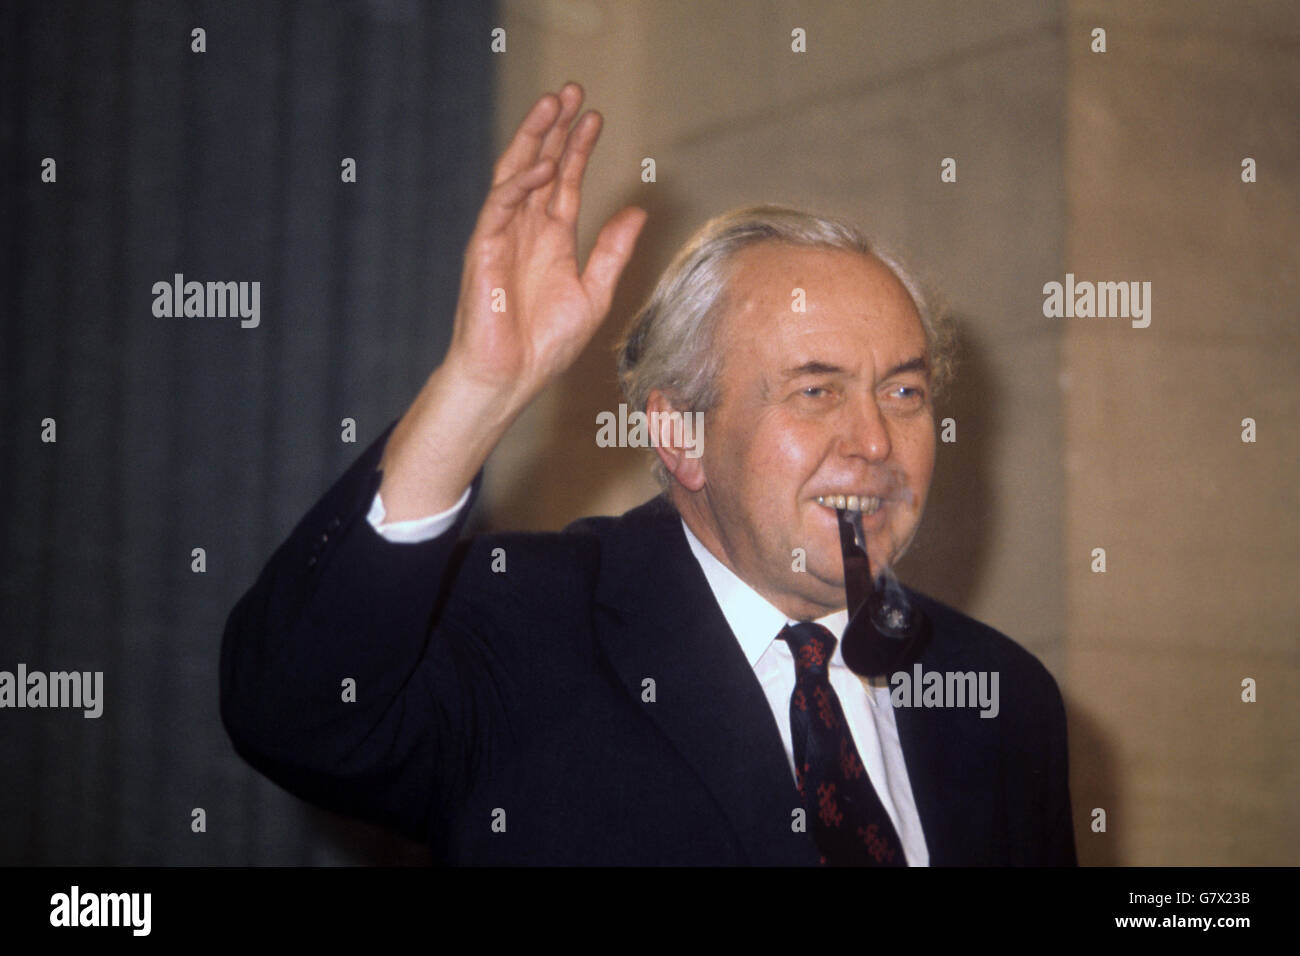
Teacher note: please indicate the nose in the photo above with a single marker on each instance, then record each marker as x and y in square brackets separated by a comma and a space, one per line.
[866, 432]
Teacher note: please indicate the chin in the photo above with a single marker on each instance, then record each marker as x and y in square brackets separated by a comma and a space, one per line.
[827, 589]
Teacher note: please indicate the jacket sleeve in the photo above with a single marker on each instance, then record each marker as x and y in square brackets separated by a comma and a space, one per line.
[330, 684]
[1059, 843]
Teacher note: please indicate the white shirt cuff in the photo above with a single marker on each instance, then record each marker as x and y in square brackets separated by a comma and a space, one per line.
[414, 530]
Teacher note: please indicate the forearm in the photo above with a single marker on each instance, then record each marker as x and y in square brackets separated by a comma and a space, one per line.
[442, 441]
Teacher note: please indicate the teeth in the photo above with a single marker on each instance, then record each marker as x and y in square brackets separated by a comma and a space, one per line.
[866, 504]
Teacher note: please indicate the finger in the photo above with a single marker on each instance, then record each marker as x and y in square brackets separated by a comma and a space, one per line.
[570, 103]
[566, 196]
[553, 144]
[610, 255]
[503, 200]
[525, 147]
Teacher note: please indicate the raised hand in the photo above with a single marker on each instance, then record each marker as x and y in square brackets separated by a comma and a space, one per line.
[523, 256]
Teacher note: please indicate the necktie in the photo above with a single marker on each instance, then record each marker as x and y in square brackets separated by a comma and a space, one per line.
[849, 822]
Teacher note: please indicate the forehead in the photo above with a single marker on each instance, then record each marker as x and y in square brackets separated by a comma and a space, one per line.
[784, 299]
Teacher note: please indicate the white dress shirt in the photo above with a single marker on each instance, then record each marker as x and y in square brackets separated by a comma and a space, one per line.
[755, 624]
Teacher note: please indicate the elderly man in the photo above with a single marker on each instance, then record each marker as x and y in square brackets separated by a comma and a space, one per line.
[666, 686]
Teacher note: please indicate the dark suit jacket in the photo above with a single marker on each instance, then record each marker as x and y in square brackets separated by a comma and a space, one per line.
[503, 716]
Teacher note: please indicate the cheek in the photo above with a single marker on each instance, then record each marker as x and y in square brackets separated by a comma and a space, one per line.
[787, 457]
[919, 455]
[791, 447]
[764, 447]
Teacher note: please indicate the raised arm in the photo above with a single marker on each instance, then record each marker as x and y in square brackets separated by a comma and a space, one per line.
[349, 673]
[525, 309]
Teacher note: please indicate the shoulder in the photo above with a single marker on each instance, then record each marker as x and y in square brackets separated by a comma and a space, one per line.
[655, 516]
[961, 643]
[562, 559]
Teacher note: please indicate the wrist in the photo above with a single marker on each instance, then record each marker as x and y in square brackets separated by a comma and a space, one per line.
[441, 442]
[487, 400]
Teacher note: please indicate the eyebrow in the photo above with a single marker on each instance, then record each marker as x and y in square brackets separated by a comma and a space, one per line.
[811, 368]
[916, 364]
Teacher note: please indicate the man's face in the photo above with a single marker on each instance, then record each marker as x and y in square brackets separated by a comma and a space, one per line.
[834, 400]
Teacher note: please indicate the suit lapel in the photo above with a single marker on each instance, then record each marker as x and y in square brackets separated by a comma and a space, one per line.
[658, 619]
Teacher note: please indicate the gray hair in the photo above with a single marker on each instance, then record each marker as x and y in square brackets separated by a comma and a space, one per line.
[668, 344]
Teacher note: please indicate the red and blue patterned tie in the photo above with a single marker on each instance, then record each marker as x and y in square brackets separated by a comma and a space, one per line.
[849, 822]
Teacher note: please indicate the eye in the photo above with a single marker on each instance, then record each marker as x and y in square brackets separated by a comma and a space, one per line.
[906, 396]
[814, 391]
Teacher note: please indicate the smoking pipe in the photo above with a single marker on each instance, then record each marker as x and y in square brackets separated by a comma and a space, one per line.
[884, 632]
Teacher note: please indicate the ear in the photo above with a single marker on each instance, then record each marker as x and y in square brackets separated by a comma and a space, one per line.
[678, 438]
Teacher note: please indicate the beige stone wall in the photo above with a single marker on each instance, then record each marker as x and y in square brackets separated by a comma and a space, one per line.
[1072, 434]
[1200, 529]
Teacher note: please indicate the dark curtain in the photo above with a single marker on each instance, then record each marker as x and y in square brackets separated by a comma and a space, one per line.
[195, 432]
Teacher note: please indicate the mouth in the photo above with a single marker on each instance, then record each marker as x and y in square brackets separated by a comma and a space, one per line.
[867, 504]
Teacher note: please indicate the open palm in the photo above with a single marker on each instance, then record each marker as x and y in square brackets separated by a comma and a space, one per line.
[525, 309]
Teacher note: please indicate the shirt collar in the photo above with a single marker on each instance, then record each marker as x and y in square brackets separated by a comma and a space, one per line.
[755, 622]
